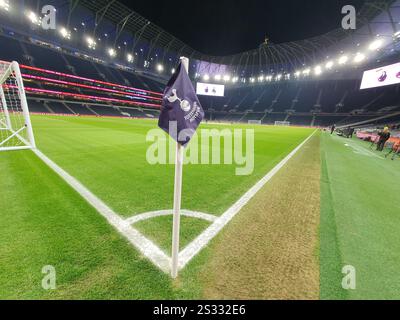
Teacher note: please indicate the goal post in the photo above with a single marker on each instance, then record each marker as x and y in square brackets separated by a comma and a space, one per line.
[15, 125]
[282, 123]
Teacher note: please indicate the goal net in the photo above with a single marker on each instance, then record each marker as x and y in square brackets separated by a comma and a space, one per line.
[15, 125]
[282, 123]
[255, 122]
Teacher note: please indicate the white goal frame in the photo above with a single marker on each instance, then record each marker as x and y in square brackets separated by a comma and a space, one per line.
[282, 123]
[11, 80]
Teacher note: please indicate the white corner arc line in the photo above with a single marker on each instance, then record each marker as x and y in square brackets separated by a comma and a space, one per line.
[160, 213]
[188, 253]
[144, 245]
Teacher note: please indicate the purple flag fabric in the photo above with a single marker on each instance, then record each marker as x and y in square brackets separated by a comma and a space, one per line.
[181, 111]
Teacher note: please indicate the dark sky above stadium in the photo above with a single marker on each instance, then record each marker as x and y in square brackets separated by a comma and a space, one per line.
[222, 27]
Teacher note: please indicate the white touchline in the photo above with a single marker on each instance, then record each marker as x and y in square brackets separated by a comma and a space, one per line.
[202, 240]
[150, 250]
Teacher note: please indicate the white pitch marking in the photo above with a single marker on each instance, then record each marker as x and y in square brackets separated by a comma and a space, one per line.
[144, 245]
[187, 254]
[147, 247]
[155, 214]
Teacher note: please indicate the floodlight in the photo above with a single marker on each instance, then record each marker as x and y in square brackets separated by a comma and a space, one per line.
[111, 52]
[129, 57]
[329, 65]
[65, 33]
[343, 59]
[160, 68]
[4, 5]
[317, 70]
[359, 57]
[217, 77]
[91, 43]
[33, 17]
[206, 77]
[375, 45]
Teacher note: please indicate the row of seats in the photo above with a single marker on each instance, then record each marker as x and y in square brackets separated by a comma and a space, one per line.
[336, 96]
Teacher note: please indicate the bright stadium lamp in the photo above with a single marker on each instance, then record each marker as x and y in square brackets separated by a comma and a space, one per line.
[317, 70]
[91, 43]
[206, 77]
[329, 65]
[112, 53]
[278, 77]
[297, 74]
[217, 77]
[4, 5]
[359, 57]
[129, 57]
[235, 79]
[261, 78]
[227, 77]
[375, 45]
[160, 68]
[66, 34]
[306, 72]
[33, 17]
[173, 70]
[343, 59]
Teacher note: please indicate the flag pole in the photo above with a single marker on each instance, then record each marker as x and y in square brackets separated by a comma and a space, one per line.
[177, 197]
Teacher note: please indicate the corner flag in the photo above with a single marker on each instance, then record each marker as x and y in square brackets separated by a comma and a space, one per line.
[181, 107]
[181, 114]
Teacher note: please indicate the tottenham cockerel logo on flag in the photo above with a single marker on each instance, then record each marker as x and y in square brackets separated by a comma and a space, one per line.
[181, 111]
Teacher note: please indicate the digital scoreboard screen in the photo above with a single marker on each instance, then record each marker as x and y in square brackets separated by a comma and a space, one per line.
[380, 77]
[209, 89]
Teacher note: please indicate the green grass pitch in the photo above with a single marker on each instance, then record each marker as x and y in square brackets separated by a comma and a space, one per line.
[44, 222]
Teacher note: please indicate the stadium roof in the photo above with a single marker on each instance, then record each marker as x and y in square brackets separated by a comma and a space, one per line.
[295, 53]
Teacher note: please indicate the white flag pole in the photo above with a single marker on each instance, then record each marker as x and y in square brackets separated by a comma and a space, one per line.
[177, 197]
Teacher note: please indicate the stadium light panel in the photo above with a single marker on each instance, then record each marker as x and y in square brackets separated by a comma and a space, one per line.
[317, 70]
[217, 77]
[160, 68]
[33, 17]
[359, 57]
[306, 72]
[261, 78]
[66, 34]
[4, 5]
[91, 43]
[252, 80]
[375, 45]
[112, 53]
[297, 74]
[129, 57]
[235, 79]
[278, 77]
[227, 78]
[343, 59]
[206, 77]
[329, 65]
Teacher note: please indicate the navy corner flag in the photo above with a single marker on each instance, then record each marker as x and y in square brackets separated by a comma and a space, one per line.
[181, 111]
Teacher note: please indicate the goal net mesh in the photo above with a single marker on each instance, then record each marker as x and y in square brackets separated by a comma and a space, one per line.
[13, 118]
